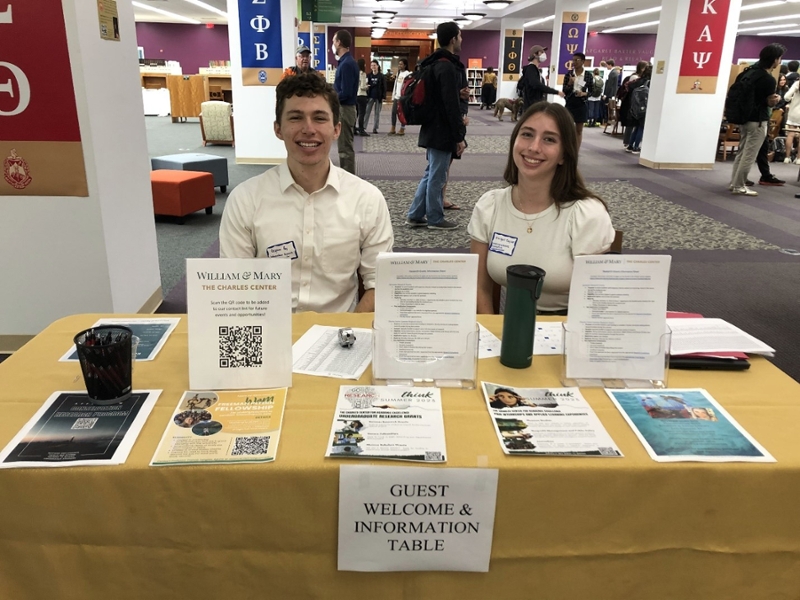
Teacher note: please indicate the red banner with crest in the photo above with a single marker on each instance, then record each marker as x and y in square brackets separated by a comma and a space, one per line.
[702, 46]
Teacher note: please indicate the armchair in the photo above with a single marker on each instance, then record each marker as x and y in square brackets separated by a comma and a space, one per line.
[216, 122]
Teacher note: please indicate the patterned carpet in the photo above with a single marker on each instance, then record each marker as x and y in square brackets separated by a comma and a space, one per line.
[407, 144]
[648, 221]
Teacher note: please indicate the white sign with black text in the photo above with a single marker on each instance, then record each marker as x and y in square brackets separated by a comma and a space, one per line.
[416, 518]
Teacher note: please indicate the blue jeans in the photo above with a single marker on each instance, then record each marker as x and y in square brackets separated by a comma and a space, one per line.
[378, 104]
[636, 135]
[428, 199]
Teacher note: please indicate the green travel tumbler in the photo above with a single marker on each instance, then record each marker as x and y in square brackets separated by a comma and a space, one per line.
[524, 286]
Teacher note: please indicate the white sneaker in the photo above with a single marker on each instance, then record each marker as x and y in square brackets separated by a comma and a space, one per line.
[744, 191]
[797, 162]
[787, 160]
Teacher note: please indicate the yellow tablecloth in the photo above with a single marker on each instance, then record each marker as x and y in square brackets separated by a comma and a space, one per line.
[594, 528]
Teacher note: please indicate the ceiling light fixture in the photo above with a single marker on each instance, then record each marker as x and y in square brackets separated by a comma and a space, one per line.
[461, 20]
[496, 4]
[377, 32]
[390, 3]
[766, 27]
[538, 21]
[208, 7]
[770, 19]
[761, 5]
[166, 13]
[784, 32]
[473, 16]
[629, 27]
[600, 3]
[630, 15]
[385, 14]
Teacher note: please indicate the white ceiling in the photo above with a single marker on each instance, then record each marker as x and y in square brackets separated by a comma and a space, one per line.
[425, 14]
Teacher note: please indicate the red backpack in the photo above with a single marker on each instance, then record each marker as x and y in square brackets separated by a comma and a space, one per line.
[415, 106]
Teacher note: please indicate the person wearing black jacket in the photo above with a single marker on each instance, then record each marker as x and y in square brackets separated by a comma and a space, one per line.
[443, 134]
[531, 85]
[577, 87]
[376, 92]
[753, 132]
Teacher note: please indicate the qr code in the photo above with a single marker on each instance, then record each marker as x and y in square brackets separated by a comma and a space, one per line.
[240, 346]
[84, 423]
[607, 451]
[431, 456]
[248, 446]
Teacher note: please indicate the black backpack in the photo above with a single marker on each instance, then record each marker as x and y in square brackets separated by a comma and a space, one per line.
[416, 105]
[740, 103]
[639, 98]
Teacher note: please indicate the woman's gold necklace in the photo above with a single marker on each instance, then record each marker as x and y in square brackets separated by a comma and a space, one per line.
[518, 206]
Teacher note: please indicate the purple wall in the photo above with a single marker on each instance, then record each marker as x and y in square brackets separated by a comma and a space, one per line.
[748, 46]
[191, 45]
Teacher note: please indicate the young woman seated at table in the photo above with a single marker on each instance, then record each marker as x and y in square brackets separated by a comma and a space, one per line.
[546, 217]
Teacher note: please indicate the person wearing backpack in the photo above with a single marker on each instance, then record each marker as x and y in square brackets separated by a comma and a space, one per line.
[749, 101]
[531, 85]
[442, 135]
[639, 93]
[594, 100]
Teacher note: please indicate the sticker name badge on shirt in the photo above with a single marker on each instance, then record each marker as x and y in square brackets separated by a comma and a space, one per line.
[503, 244]
[284, 250]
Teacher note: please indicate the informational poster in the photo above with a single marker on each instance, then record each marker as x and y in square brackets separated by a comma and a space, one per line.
[512, 54]
[109, 19]
[702, 47]
[152, 333]
[676, 425]
[240, 323]
[41, 153]
[617, 317]
[396, 423]
[546, 422]
[260, 42]
[416, 518]
[223, 427]
[573, 39]
[70, 431]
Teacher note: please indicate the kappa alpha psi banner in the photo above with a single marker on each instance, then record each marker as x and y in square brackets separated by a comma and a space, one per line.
[40, 138]
[702, 47]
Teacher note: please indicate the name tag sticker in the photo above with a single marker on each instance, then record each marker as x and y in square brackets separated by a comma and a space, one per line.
[503, 244]
[284, 250]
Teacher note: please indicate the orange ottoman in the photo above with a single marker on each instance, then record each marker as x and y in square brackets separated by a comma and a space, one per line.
[180, 193]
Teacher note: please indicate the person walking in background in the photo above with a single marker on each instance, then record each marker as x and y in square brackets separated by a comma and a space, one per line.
[792, 75]
[402, 73]
[610, 88]
[792, 119]
[346, 85]
[578, 84]
[638, 107]
[362, 98]
[376, 92]
[531, 85]
[624, 97]
[595, 97]
[752, 133]
[443, 135]
[489, 89]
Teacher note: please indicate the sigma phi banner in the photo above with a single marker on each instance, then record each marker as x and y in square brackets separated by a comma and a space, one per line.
[573, 39]
[40, 137]
[702, 47]
[260, 33]
[320, 49]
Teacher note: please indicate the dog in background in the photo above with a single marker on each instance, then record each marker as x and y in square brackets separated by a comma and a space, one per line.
[515, 106]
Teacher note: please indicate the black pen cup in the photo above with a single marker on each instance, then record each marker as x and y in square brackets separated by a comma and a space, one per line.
[106, 360]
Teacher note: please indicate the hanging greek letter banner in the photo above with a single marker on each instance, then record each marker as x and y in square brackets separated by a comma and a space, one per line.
[40, 138]
[260, 33]
[702, 47]
[320, 48]
[512, 54]
[573, 39]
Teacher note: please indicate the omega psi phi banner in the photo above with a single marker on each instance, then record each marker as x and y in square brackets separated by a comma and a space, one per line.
[702, 47]
[40, 137]
[260, 35]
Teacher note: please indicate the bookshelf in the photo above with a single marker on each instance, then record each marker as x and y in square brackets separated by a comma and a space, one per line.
[475, 83]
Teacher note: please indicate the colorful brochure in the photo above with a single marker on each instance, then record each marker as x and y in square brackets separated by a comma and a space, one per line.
[70, 431]
[546, 422]
[399, 423]
[223, 427]
[686, 425]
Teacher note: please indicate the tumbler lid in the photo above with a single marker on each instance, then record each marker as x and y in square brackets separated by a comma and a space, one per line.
[526, 277]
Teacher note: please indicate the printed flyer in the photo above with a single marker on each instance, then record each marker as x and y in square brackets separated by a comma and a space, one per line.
[70, 431]
[546, 422]
[152, 333]
[223, 427]
[686, 425]
[398, 423]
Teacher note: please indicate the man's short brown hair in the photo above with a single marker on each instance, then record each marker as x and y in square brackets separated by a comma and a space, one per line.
[344, 37]
[306, 85]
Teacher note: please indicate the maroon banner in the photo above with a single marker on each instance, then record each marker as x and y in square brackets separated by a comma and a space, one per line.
[702, 47]
[40, 138]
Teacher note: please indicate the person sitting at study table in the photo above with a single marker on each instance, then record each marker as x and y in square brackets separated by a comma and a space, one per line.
[330, 223]
[547, 215]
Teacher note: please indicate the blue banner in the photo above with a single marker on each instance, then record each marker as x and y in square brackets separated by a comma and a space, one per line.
[304, 39]
[320, 49]
[260, 33]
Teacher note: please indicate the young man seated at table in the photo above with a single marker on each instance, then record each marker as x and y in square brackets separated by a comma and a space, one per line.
[330, 223]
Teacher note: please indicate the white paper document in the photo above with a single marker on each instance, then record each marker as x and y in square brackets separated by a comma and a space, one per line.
[713, 335]
[398, 423]
[548, 339]
[546, 422]
[425, 306]
[240, 323]
[318, 352]
[416, 518]
[616, 322]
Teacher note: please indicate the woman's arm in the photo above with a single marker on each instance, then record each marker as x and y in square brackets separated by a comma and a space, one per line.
[485, 282]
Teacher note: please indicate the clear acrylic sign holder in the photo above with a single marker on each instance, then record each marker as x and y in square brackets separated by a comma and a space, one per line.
[622, 374]
[457, 369]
